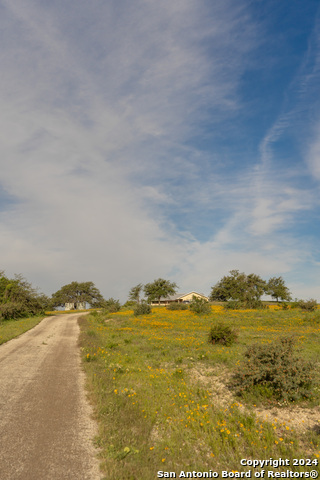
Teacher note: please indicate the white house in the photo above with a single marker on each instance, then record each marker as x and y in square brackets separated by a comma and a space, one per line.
[75, 306]
[180, 298]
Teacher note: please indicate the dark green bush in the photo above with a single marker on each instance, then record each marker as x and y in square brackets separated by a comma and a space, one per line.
[233, 305]
[177, 306]
[142, 308]
[199, 305]
[222, 334]
[13, 310]
[255, 303]
[275, 370]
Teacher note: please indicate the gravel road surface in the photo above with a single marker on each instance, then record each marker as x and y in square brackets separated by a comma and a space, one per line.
[46, 429]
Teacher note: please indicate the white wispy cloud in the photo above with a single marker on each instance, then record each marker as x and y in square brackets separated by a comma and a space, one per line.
[100, 105]
[97, 101]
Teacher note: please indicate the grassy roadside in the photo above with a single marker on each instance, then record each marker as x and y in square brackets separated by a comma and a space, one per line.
[161, 397]
[13, 328]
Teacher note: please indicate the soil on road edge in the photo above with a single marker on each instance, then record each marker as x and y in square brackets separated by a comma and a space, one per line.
[45, 419]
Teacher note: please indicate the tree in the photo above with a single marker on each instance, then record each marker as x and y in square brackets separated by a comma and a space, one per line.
[76, 292]
[245, 289]
[278, 290]
[256, 287]
[159, 288]
[18, 298]
[135, 292]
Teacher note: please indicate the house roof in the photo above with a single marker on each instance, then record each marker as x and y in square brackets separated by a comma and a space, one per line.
[180, 295]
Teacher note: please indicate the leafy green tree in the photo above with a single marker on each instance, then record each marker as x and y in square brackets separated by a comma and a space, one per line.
[3, 284]
[159, 288]
[18, 298]
[135, 292]
[256, 287]
[278, 290]
[76, 292]
[245, 289]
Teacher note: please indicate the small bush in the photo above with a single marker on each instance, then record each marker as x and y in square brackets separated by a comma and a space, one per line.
[142, 308]
[255, 303]
[112, 306]
[309, 305]
[177, 306]
[130, 304]
[285, 306]
[274, 368]
[237, 305]
[233, 305]
[199, 305]
[14, 310]
[222, 334]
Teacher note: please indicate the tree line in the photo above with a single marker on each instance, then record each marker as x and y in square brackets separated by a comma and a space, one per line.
[247, 290]
[237, 287]
[19, 299]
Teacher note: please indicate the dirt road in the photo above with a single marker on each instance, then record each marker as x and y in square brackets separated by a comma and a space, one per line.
[45, 427]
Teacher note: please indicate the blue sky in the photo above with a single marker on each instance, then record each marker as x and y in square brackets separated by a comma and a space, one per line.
[145, 139]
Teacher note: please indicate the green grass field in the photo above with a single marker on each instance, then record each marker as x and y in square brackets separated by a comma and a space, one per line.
[162, 401]
[13, 328]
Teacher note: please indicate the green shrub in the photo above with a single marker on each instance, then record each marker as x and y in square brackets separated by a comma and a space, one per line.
[142, 308]
[255, 303]
[130, 304]
[237, 305]
[177, 306]
[309, 305]
[285, 305]
[274, 368]
[13, 310]
[112, 306]
[199, 305]
[233, 305]
[222, 334]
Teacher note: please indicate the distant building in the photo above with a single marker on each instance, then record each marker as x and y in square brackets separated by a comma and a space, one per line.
[75, 306]
[180, 298]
